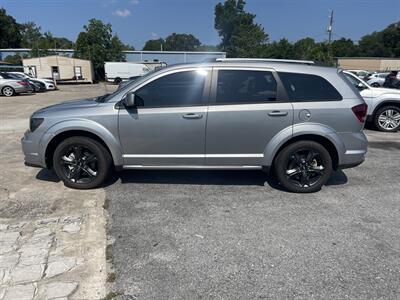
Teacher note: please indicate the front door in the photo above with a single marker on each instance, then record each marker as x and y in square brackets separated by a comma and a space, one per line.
[248, 109]
[167, 128]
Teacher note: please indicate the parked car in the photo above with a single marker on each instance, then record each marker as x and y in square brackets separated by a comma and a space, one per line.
[376, 79]
[360, 73]
[117, 72]
[296, 119]
[36, 85]
[50, 84]
[383, 104]
[10, 87]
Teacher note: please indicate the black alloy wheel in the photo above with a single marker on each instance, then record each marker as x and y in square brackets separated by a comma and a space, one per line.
[303, 167]
[81, 162]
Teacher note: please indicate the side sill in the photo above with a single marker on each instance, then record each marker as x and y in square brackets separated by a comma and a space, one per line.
[194, 167]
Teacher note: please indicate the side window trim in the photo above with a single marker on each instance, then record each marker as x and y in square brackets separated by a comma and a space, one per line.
[205, 93]
[281, 95]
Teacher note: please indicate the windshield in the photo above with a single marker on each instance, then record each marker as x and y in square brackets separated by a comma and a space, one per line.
[355, 81]
[127, 86]
[9, 76]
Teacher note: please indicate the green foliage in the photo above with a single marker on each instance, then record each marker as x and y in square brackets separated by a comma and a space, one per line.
[344, 48]
[181, 42]
[98, 44]
[154, 45]
[15, 59]
[241, 36]
[385, 43]
[10, 36]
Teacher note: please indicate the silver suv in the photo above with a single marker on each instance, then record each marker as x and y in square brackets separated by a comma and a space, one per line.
[294, 118]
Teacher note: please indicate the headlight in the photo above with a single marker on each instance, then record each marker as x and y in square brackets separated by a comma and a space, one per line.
[35, 123]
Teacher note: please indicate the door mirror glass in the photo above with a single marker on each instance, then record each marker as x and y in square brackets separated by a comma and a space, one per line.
[130, 100]
[361, 86]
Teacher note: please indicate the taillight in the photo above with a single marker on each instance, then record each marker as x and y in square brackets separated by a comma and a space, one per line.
[360, 111]
[23, 83]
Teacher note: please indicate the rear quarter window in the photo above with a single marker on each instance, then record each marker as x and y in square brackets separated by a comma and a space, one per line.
[307, 87]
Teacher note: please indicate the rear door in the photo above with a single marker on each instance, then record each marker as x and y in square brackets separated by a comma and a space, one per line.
[248, 107]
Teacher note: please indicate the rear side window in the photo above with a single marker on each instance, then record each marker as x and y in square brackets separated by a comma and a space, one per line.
[177, 89]
[306, 87]
[245, 86]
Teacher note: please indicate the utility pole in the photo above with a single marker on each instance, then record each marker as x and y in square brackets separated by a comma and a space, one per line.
[330, 27]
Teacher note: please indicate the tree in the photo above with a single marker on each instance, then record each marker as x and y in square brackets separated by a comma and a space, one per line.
[344, 48]
[303, 49]
[181, 42]
[241, 36]
[30, 34]
[10, 36]
[282, 49]
[154, 45]
[98, 44]
[15, 59]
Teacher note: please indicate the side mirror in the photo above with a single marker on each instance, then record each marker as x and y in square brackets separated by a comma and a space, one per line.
[360, 86]
[130, 100]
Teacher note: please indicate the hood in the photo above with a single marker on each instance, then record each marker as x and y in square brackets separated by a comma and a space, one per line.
[380, 91]
[70, 105]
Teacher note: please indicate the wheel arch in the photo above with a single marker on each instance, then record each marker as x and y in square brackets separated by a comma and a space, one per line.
[324, 136]
[386, 103]
[61, 131]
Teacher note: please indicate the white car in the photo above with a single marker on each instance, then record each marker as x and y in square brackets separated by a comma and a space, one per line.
[359, 73]
[50, 84]
[383, 104]
[376, 79]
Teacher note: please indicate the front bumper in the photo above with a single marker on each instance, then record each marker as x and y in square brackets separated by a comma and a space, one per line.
[32, 151]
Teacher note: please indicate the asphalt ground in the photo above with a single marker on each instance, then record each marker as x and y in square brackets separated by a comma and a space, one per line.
[236, 235]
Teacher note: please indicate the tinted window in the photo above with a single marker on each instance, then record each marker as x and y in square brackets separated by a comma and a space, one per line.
[178, 89]
[306, 87]
[240, 86]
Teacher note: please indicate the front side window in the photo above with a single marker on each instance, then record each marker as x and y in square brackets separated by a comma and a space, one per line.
[245, 86]
[177, 89]
[307, 87]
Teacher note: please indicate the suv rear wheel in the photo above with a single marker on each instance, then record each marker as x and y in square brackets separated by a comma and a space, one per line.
[81, 162]
[303, 167]
[387, 119]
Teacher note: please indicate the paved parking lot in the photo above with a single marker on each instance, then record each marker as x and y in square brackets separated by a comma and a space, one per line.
[52, 239]
[190, 235]
[234, 235]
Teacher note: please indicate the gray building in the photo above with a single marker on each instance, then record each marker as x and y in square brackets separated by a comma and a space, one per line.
[170, 57]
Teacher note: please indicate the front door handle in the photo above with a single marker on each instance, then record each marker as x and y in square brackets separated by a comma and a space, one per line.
[192, 116]
[277, 113]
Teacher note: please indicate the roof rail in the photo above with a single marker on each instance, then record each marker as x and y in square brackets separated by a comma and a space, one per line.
[290, 61]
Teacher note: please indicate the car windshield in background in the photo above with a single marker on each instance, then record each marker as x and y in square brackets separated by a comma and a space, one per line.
[8, 76]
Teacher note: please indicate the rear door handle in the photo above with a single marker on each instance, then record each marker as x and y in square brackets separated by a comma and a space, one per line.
[277, 113]
[192, 116]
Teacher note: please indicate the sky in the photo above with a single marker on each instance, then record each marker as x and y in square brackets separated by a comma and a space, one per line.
[136, 21]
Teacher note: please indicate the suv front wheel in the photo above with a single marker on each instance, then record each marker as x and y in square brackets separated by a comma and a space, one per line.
[303, 167]
[81, 162]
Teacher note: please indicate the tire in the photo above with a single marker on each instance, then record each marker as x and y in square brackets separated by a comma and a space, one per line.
[303, 167]
[81, 162]
[117, 80]
[375, 84]
[387, 119]
[8, 91]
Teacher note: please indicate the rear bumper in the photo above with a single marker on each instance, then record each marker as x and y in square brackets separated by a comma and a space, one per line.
[356, 146]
